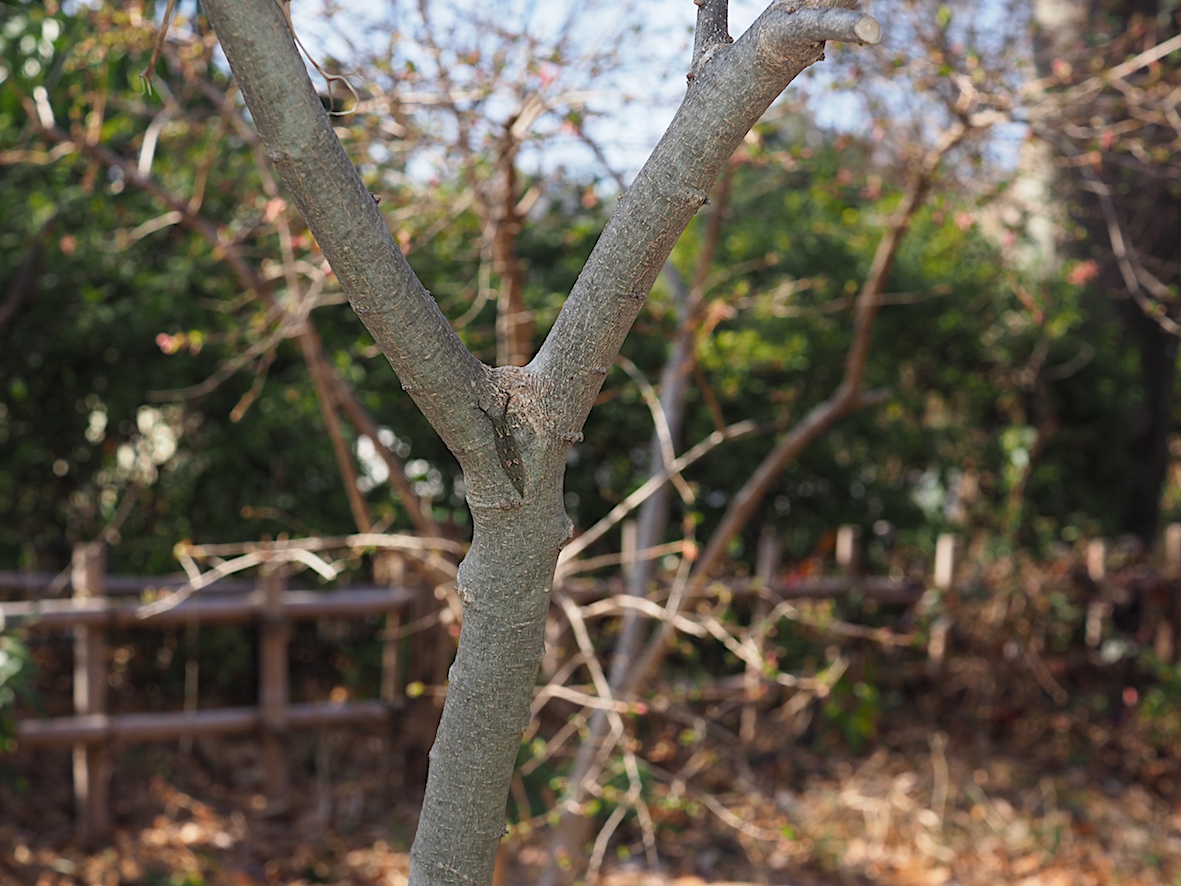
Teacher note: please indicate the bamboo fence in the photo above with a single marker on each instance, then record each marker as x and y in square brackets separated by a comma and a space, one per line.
[91, 612]
[92, 731]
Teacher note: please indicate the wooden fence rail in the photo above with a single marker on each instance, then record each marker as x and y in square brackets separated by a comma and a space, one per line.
[92, 730]
[90, 613]
[238, 608]
[102, 728]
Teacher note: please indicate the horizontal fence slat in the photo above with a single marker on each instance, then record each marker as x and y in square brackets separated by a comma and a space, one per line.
[39, 582]
[881, 588]
[223, 609]
[119, 585]
[97, 728]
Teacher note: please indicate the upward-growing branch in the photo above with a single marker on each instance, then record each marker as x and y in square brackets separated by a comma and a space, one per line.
[726, 97]
[848, 396]
[713, 30]
[433, 365]
[511, 427]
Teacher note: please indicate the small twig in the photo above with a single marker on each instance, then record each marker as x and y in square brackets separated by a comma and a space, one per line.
[328, 78]
[644, 606]
[147, 74]
[393, 541]
[592, 563]
[202, 580]
[571, 728]
[601, 841]
[712, 32]
[1133, 272]
[733, 432]
[130, 497]
[1119, 72]
[586, 647]
[660, 422]
[1044, 678]
[739, 824]
[553, 690]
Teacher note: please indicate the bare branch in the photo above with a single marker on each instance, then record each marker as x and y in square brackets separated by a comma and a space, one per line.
[848, 396]
[1133, 272]
[660, 424]
[723, 102]
[633, 501]
[24, 283]
[398, 312]
[344, 459]
[713, 30]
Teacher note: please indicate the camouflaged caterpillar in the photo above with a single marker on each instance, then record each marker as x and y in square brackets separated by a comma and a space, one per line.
[506, 448]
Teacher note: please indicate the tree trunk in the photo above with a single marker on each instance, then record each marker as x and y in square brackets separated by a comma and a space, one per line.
[510, 428]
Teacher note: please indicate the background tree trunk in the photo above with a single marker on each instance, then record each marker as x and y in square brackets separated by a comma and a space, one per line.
[1130, 210]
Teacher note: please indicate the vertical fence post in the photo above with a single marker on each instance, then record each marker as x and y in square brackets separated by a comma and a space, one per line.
[390, 570]
[849, 550]
[1173, 547]
[1100, 607]
[92, 762]
[946, 551]
[768, 562]
[273, 685]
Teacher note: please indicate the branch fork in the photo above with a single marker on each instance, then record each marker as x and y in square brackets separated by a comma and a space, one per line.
[511, 428]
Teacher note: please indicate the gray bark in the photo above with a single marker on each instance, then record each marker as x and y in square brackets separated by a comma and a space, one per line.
[510, 428]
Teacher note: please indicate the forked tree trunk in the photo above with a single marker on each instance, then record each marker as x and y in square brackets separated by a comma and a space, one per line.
[510, 428]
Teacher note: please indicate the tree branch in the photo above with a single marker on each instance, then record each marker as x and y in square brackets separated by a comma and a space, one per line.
[848, 396]
[24, 282]
[397, 310]
[251, 280]
[713, 30]
[724, 101]
[344, 458]
[514, 454]
[346, 397]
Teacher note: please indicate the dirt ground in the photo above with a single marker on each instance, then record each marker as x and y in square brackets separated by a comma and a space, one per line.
[922, 810]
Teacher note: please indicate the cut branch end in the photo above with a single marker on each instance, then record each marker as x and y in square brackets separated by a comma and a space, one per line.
[868, 30]
[814, 24]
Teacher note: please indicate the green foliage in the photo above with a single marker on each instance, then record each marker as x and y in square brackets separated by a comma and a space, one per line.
[998, 385]
[122, 306]
[1159, 713]
[853, 710]
[17, 684]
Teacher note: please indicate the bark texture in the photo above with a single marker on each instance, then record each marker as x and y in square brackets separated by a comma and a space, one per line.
[511, 427]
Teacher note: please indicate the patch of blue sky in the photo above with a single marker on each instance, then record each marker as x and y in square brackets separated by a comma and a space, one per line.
[631, 103]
